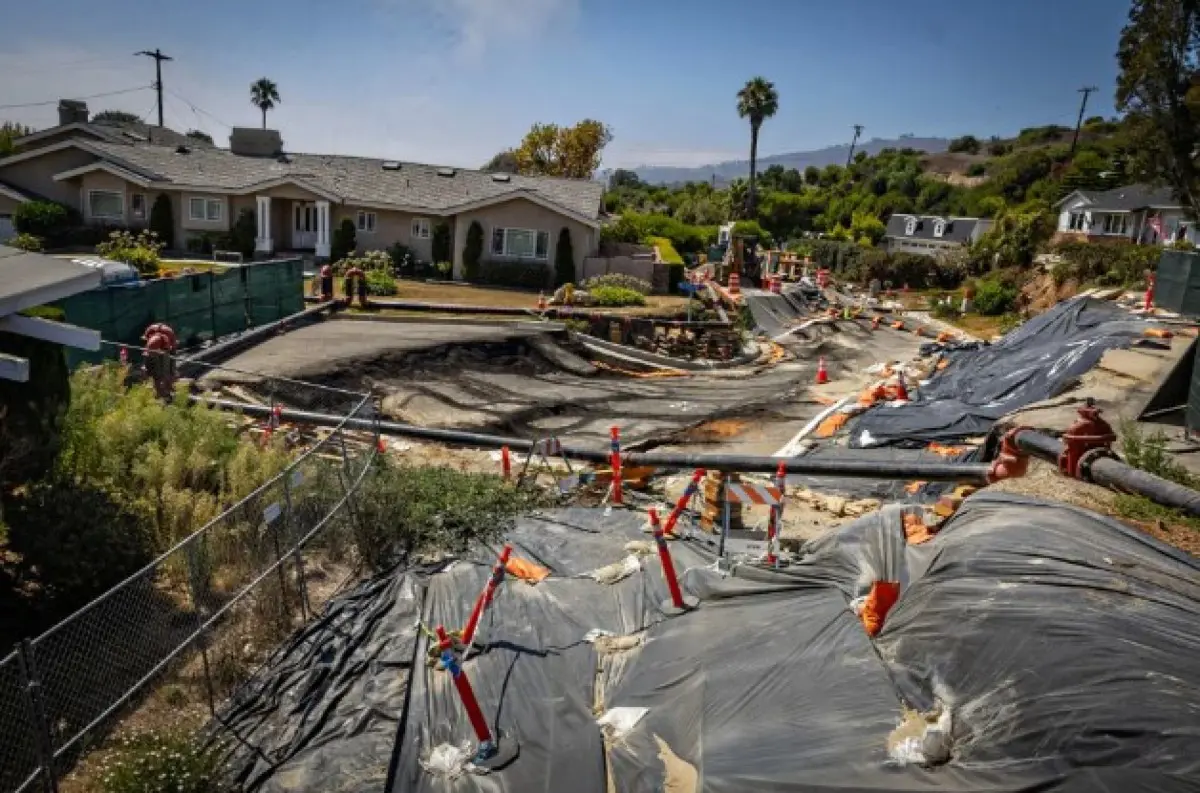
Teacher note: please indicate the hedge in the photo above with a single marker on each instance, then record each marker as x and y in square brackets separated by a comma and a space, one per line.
[527, 275]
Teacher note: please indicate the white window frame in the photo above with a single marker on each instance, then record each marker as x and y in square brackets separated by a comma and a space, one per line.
[366, 221]
[1076, 221]
[939, 228]
[910, 227]
[120, 199]
[207, 205]
[421, 229]
[505, 253]
[133, 211]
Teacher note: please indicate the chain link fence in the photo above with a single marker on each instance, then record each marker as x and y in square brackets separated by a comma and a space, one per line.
[180, 636]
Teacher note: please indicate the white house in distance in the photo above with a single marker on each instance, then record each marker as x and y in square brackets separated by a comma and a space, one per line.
[1138, 213]
[929, 235]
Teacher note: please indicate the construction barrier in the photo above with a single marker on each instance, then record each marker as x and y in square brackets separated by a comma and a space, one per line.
[485, 597]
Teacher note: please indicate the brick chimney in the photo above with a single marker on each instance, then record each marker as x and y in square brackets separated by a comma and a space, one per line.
[72, 111]
[254, 142]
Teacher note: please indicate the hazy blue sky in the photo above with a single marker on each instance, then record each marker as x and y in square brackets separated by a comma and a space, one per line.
[454, 81]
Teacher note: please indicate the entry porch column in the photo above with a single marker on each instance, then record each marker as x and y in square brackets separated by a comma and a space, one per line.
[322, 247]
[263, 242]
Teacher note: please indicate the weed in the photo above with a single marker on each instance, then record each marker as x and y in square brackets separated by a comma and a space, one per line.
[1143, 510]
[160, 762]
[1149, 453]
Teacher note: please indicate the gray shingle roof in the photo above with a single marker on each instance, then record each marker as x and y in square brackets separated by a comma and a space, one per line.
[957, 229]
[353, 180]
[1130, 197]
[122, 132]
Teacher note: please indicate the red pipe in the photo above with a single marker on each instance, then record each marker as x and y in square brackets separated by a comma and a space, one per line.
[664, 556]
[485, 597]
[506, 462]
[617, 494]
[681, 504]
[775, 527]
[465, 692]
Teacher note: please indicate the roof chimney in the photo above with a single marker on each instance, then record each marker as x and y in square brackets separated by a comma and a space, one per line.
[252, 142]
[72, 111]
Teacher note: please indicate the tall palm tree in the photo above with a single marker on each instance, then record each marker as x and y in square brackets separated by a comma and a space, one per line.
[757, 101]
[264, 95]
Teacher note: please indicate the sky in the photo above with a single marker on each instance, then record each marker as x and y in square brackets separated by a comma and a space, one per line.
[454, 81]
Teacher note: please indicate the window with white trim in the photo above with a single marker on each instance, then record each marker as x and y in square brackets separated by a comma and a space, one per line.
[205, 209]
[137, 206]
[520, 243]
[420, 229]
[1115, 224]
[366, 221]
[1076, 222]
[106, 205]
[939, 228]
[910, 226]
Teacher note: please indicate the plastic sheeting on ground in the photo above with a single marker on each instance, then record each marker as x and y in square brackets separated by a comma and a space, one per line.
[1060, 646]
[1034, 362]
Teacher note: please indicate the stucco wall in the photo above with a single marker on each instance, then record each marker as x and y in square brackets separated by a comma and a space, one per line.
[8, 205]
[521, 214]
[36, 175]
[390, 227]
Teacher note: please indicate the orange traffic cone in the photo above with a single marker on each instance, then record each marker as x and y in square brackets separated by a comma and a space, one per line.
[875, 324]
[901, 387]
[822, 374]
[542, 301]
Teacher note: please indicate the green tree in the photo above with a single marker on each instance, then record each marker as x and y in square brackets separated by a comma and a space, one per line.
[10, 132]
[115, 117]
[570, 152]
[200, 135]
[344, 242]
[1158, 90]
[812, 175]
[264, 95]
[504, 162]
[564, 259]
[757, 101]
[967, 144]
[440, 246]
[867, 226]
[473, 251]
[624, 178]
[162, 220]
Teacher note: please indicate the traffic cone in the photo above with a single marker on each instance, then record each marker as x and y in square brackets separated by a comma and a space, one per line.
[542, 300]
[822, 374]
[901, 387]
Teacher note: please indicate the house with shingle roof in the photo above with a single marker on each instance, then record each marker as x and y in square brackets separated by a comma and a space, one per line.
[929, 235]
[1138, 213]
[297, 200]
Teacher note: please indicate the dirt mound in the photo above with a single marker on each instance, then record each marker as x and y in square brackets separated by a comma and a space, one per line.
[1040, 293]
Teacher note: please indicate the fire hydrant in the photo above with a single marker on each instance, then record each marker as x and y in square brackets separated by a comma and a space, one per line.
[1089, 437]
[326, 283]
[160, 344]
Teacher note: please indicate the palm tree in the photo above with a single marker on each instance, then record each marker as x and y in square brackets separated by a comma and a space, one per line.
[757, 101]
[264, 95]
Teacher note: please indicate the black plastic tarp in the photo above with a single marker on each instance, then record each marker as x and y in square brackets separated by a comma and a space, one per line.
[1034, 362]
[1062, 644]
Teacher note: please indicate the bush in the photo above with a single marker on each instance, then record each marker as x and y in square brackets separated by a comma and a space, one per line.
[564, 259]
[1113, 264]
[445, 270]
[344, 242]
[203, 242]
[526, 275]
[977, 169]
[620, 280]
[1149, 453]
[472, 251]
[26, 242]
[381, 283]
[31, 413]
[241, 237]
[751, 228]
[993, 298]
[162, 220]
[968, 144]
[666, 250]
[440, 245]
[616, 296]
[403, 261]
[161, 762]
[637, 228]
[402, 510]
[140, 251]
[45, 219]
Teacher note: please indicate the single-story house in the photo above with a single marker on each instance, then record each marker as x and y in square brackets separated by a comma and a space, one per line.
[929, 235]
[1138, 213]
[299, 199]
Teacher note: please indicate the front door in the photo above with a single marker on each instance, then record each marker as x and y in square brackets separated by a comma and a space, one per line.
[304, 225]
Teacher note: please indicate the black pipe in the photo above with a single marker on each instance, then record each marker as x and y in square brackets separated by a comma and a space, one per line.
[975, 473]
[576, 312]
[1112, 473]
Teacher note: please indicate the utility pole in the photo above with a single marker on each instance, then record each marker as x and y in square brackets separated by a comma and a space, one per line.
[1087, 89]
[858, 128]
[158, 59]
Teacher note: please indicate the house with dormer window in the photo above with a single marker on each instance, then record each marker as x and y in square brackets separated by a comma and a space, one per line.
[929, 235]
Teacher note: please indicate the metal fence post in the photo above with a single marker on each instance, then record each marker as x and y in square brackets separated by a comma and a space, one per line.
[294, 538]
[37, 706]
[197, 604]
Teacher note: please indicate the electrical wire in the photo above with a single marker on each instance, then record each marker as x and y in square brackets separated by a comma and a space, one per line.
[93, 96]
[197, 109]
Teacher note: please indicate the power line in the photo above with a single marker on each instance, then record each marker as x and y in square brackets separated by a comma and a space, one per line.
[93, 96]
[196, 109]
[158, 57]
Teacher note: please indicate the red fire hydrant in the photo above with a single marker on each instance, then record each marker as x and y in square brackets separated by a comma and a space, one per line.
[1089, 437]
[1149, 301]
[160, 345]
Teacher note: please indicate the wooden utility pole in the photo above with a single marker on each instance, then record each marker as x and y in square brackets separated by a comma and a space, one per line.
[858, 128]
[1086, 90]
[158, 57]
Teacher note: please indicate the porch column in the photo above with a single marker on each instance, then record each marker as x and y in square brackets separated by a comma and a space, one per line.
[322, 229]
[264, 243]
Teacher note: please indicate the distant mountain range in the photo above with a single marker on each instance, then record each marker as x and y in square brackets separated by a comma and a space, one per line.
[726, 172]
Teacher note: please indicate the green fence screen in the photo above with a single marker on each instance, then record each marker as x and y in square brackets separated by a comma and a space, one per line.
[199, 307]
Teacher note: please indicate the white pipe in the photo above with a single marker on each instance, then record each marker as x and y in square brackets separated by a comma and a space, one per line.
[791, 448]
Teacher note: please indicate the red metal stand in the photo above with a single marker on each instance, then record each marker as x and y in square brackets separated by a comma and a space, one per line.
[485, 597]
[618, 495]
[681, 504]
[461, 682]
[678, 603]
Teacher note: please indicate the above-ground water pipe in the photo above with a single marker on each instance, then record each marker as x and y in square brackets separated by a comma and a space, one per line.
[973, 473]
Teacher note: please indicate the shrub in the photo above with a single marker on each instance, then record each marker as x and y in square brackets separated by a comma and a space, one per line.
[46, 219]
[1149, 453]
[615, 296]
[564, 259]
[27, 242]
[638, 228]
[402, 259]
[998, 148]
[162, 220]
[967, 143]
[161, 762]
[527, 275]
[344, 242]
[977, 169]
[241, 237]
[751, 228]
[440, 244]
[1114, 264]
[368, 261]
[472, 251]
[400, 510]
[993, 298]
[666, 250]
[445, 270]
[620, 280]
[381, 283]
[140, 251]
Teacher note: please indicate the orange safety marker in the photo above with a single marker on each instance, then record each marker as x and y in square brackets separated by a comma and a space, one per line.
[541, 304]
[681, 504]
[901, 387]
[822, 373]
[775, 527]
[879, 602]
[506, 462]
[485, 597]
[875, 323]
[898, 325]
[678, 603]
[618, 495]
[123, 355]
